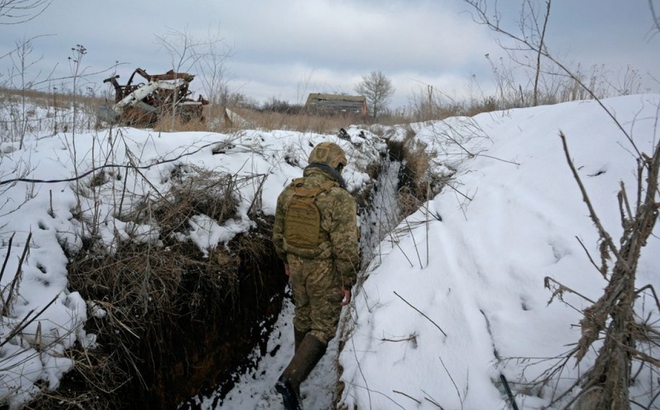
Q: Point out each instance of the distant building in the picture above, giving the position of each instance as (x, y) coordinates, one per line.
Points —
(336, 104)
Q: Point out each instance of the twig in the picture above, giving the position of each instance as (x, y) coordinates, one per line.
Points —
(655, 296)
(26, 321)
(17, 276)
(96, 169)
(377, 392)
(412, 235)
(460, 193)
(396, 242)
(366, 383)
(257, 194)
(458, 393)
(499, 159)
(588, 255)
(432, 400)
(641, 356)
(624, 198)
(562, 288)
(508, 392)
(421, 313)
(407, 395)
(4, 263)
(407, 339)
(592, 212)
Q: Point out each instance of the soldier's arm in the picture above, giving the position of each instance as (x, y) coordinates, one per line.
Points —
(344, 238)
(278, 228)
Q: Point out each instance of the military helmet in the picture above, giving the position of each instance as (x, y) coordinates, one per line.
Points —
(328, 153)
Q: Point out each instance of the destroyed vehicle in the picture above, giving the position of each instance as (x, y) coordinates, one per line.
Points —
(145, 103)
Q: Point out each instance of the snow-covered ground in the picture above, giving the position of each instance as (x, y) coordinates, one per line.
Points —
(454, 297)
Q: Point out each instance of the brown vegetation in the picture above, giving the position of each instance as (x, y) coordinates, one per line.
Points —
(414, 184)
(176, 321)
(612, 317)
(49, 99)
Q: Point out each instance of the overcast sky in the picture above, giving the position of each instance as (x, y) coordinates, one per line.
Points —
(288, 48)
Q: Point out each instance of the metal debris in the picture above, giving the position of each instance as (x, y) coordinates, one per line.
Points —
(143, 104)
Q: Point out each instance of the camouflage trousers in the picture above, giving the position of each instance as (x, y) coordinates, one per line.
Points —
(317, 296)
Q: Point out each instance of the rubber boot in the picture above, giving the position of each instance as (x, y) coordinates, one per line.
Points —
(307, 356)
(298, 337)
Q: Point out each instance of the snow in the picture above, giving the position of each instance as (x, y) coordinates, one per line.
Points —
(477, 267)
(453, 296)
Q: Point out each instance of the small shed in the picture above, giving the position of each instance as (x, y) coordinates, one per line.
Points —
(336, 104)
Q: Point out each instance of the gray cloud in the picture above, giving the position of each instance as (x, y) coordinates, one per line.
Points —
(286, 48)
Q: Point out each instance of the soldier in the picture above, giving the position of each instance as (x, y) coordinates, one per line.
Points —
(315, 234)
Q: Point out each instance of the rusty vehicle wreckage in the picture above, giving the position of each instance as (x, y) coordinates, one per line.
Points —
(144, 104)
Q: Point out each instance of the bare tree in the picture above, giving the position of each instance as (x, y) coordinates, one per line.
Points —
(21, 11)
(377, 89)
(527, 44)
(182, 48)
(20, 79)
(656, 18)
(541, 44)
(532, 24)
(206, 55)
(212, 67)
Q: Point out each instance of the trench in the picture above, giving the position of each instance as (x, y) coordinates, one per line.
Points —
(378, 214)
(200, 352)
(210, 351)
(157, 354)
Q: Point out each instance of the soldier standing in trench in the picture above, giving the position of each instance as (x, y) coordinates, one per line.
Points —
(315, 234)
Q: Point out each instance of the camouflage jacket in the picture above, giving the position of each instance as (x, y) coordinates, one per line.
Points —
(338, 219)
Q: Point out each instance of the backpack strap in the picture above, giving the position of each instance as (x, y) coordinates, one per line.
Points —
(312, 192)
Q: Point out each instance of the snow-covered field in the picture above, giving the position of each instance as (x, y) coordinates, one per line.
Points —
(454, 296)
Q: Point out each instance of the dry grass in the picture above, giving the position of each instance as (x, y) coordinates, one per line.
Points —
(214, 118)
(413, 185)
(48, 100)
(194, 191)
(407, 202)
(417, 165)
(59, 113)
(166, 304)
(169, 123)
(148, 294)
(302, 122)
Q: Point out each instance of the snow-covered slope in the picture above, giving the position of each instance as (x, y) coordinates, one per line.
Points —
(459, 299)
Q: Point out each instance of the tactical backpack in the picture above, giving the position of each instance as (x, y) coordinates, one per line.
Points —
(302, 224)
